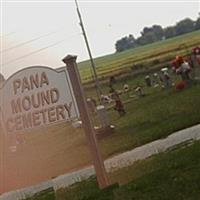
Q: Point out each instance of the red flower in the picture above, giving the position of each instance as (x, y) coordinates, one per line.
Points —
(196, 51)
(181, 85)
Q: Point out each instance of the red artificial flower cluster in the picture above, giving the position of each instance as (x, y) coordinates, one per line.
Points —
(177, 62)
(181, 85)
(196, 50)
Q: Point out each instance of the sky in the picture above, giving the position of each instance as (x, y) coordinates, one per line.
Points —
(42, 33)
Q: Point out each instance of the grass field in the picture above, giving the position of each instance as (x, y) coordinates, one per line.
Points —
(54, 151)
(49, 152)
(148, 56)
(153, 117)
(174, 175)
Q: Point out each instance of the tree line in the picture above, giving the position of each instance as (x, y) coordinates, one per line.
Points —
(156, 33)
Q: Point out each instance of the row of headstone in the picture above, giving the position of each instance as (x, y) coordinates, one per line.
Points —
(161, 78)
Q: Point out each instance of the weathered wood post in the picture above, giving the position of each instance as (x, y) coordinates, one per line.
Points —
(74, 75)
(2, 154)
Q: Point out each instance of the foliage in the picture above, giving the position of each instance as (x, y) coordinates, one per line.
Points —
(150, 35)
(197, 24)
(169, 32)
(125, 43)
(184, 26)
(156, 33)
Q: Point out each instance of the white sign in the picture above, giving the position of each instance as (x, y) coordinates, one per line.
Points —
(36, 96)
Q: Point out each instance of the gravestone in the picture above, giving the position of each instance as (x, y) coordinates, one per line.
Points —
(148, 80)
(102, 116)
(166, 78)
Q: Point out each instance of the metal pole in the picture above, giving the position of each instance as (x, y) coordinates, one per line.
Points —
(74, 75)
(89, 52)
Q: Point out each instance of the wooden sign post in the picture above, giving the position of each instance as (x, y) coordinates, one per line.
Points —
(72, 69)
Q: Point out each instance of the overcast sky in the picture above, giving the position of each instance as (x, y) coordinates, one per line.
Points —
(43, 32)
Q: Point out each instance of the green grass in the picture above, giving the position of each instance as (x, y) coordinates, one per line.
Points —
(173, 175)
(158, 114)
(85, 190)
(123, 62)
(155, 116)
(48, 194)
(152, 117)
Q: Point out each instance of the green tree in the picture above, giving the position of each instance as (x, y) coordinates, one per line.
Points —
(124, 43)
(169, 32)
(150, 34)
(197, 24)
(146, 30)
(185, 26)
(158, 31)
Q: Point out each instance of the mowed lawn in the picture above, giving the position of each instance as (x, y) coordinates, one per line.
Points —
(46, 153)
(173, 175)
(49, 152)
(153, 117)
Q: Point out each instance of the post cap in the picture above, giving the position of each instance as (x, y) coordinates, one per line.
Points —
(69, 58)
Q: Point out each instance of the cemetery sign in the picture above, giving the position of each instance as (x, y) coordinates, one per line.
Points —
(35, 97)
